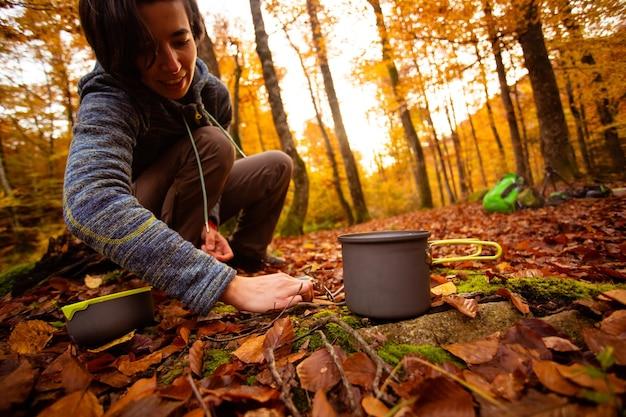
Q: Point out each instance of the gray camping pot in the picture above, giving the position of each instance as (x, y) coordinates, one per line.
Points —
(387, 274)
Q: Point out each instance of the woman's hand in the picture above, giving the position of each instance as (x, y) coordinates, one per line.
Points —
(266, 292)
(215, 244)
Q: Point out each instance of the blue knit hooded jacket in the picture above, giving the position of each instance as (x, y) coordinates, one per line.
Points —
(121, 128)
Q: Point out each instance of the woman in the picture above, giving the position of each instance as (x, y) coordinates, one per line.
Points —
(144, 130)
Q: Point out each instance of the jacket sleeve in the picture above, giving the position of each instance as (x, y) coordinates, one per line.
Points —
(99, 208)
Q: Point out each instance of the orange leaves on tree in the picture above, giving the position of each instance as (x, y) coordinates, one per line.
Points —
(280, 337)
(467, 306)
(321, 406)
(196, 356)
(476, 352)
(16, 385)
(78, 403)
(30, 337)
(318, 371)
(516, 299)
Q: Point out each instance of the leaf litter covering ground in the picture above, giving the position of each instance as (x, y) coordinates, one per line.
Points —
(265, 365)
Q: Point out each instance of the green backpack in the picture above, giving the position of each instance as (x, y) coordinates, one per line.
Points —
(503, 196)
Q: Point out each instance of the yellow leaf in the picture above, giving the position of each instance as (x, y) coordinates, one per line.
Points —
(251, 351)
(444, 289)
(93, 282)
(115, 342)
(79, 403)
(374, 407)
(30, 337)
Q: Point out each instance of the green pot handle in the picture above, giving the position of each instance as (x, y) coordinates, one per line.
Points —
(476, 256)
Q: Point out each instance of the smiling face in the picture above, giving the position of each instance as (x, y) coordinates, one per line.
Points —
(171, 73)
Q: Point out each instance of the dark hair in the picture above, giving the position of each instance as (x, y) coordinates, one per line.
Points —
(118, 35)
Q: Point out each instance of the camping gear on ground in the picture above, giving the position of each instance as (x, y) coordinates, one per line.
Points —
(94, 322)
(502, 198)
(386, 274)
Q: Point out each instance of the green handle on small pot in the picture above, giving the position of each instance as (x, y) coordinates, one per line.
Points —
(469, 241)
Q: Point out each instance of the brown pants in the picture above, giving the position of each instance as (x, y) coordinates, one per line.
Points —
(253, 188)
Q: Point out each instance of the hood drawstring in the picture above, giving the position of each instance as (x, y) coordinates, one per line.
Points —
(200, 173)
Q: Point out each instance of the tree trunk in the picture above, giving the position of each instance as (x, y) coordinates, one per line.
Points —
(556, 149)
(352, 173)
(206, 52)
(421, 176)
(294, 222)
(257, 121)
(234, 127)
(580, 131)
(456, 142)
(490, 117)
(521, 165)
(330, 153)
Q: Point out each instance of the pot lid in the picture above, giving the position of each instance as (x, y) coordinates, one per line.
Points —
(384, 236)
(70, 309)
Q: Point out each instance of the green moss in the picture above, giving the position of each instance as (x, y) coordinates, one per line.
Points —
(213, 359)
(300, 399)
(11, 275)
(536, 289)
(112, 276)
(221, 308)
(392, 353)
(334, 333)
(251, 380)
(170, 375)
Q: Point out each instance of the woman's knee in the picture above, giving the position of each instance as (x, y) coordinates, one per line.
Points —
(213, 144)
(282, 163)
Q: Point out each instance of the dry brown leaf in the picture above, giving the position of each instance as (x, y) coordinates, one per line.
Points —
(179, 389)
(93, 281)
(129, 368)
(548, 374)
(616, 295)
(251, 351)
(467, 306)
(198, 412)
(476, 352)
(318, 372)
(140, 389)
(578, 374)
(559, 344)
(280, 337)
(30, 337)
(360, 370)
(447, 288)
(169, 350)
(516, 299)
(321, 406)
(66, 372)
(78, 403)
(196, 357)
(128, 336)
(476, 380)
(597, 340)
(442, 397)
(508, 386)
(615, 324)
(16, 385)
(114, 379)
(260, 412)
(245, 392)
(184, 332)
(374, 407)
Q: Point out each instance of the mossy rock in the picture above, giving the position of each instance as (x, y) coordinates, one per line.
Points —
(213, 359)
(392, 353)
(13, 274)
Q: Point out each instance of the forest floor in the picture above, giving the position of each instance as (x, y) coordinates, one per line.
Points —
(315, 359)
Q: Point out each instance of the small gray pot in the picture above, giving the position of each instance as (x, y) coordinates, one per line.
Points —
(387, 274)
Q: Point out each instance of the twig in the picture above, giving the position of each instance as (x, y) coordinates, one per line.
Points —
(207, 412)
(285, 395)
(346, 384)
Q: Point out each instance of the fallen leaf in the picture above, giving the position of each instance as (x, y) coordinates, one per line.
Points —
(179, 389)
(169, 350)
(360, 370)
(259, 412)
(251, 351)
(589, 377)
(120, 340)
(516, 299)
(93, 282)
(79, 403)
(444, 289)
(140, 389)
(30, 337)
(198, 412)
(467, 306)
(129, 368)
(548, 374)
(321, 406)
(196, 356)
(16, 385)
(618, 295)
(374, 407)
(559, 344)
(442, 397)
(597, 340)
(476, 380)
(476, 352)
(245, 392)
(114, 379)
(65, 372)
(318, 372)
(184, 332)
(508, 386)
(438, 279)
(615, 324)
(279, 338)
